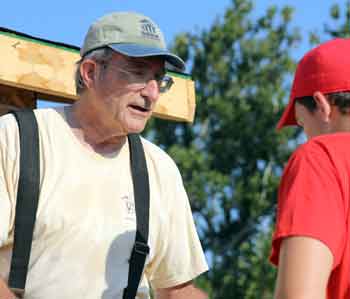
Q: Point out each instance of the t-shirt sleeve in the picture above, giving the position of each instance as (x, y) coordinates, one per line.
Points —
(182, 258)
(8, 175)
(310, 202)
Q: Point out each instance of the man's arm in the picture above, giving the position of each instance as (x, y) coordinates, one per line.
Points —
(183, 291)
(5, 292)
(303, 270)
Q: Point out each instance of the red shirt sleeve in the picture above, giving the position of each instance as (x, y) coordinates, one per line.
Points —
(310, 201)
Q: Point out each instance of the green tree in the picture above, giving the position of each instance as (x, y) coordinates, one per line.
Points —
(339, 25)
(340, 21)
(231, 157)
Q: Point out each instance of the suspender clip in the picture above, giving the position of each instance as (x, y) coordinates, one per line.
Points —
(141, 248)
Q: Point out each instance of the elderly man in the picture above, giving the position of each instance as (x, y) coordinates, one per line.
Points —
(85, 225)
(311, 243)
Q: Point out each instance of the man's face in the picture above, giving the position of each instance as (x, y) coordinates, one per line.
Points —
(128, 90)
(311, 122)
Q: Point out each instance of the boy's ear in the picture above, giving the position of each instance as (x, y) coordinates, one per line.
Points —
(324, 108)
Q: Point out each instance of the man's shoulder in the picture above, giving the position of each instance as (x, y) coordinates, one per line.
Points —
(157, 155)
(8, 126)
(45, 114)
(8, 120)
(46, 117)
(155, 151)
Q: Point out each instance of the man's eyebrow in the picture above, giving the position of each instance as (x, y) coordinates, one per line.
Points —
(138, 63)
(141, 61)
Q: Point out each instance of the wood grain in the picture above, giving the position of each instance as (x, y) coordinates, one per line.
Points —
(47, 72)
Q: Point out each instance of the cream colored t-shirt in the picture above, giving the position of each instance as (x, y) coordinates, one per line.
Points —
(85, 226)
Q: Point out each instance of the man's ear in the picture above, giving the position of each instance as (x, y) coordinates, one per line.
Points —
(88, 71)
(324, 109)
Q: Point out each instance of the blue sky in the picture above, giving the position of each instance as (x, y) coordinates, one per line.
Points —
(67, 21)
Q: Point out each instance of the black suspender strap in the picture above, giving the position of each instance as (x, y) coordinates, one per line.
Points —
(27, 199)
(141, 195)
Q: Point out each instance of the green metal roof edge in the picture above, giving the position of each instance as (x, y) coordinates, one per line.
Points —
(38, 41)
(179, 75)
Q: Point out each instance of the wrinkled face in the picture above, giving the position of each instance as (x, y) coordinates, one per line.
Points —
(311, 122)
(128, 88)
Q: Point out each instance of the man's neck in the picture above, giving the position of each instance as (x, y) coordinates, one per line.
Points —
(92, 129)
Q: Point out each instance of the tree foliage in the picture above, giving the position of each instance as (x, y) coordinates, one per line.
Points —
(337, 27)
(340, 21)
(231, 157)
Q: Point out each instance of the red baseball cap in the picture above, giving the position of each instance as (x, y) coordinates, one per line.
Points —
(325, 68)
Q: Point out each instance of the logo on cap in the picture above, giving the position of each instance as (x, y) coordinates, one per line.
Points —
(148, 29)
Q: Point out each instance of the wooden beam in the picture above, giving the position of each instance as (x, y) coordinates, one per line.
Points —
(48, 71)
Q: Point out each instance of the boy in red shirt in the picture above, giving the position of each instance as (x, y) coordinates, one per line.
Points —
(311, 242)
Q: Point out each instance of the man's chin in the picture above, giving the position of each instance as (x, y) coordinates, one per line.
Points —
(136, 128)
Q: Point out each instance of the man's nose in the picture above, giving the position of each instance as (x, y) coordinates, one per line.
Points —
(151, 90)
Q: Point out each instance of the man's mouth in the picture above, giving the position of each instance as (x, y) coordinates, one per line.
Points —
(139, 108)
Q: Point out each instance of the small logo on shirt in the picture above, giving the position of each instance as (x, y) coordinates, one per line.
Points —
(129, 205)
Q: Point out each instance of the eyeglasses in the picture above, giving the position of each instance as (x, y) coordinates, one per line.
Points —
(139, 77)
(164, 83)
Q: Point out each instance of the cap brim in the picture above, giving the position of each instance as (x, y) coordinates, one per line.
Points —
(288, 116)
(135, 50)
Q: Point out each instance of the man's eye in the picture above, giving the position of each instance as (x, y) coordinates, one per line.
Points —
(159, 77)
(138, 73)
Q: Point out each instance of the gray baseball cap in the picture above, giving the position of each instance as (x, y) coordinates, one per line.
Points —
(131, 34)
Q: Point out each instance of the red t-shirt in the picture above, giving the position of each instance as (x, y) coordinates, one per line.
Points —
(313, 201)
